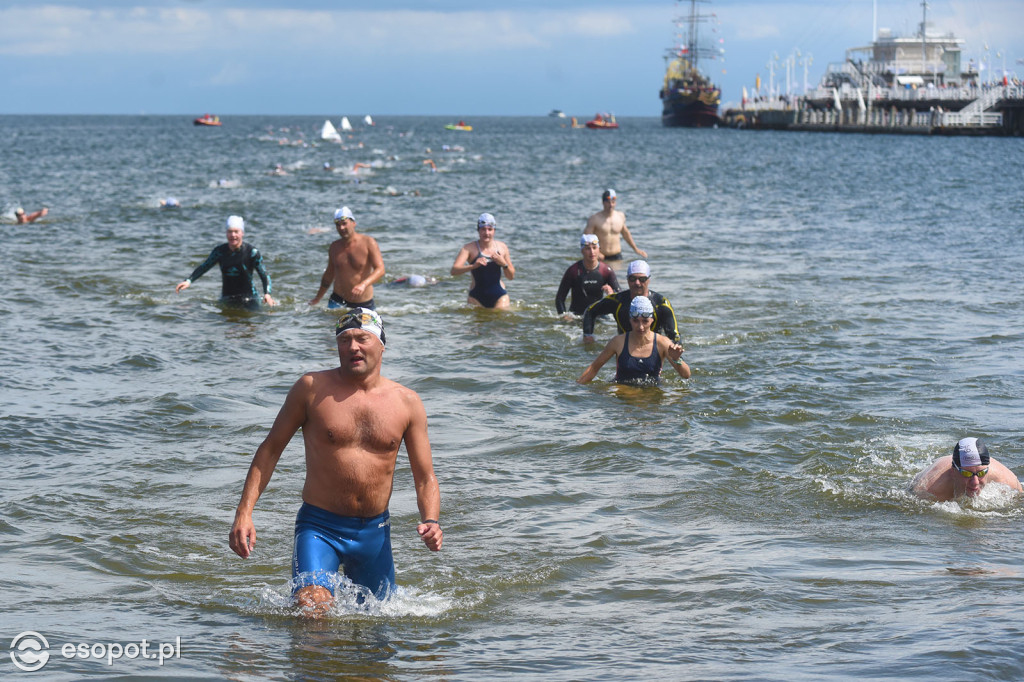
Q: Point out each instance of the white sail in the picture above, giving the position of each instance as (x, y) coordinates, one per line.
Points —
(368, 121)
(345, 125)
(329, 132)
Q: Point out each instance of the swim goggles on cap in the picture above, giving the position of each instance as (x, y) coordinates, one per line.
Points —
(968, 474)
(639, 315)
(362, 318)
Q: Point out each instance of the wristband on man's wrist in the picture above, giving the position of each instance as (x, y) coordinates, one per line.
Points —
(434, 521)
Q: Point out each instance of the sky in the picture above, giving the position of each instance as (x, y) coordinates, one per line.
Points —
(437, 57)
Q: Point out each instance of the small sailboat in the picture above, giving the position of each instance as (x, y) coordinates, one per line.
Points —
(367, 120)
(329, 132)
(345, 125)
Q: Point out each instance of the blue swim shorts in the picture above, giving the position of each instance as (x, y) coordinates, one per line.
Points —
(360, 546)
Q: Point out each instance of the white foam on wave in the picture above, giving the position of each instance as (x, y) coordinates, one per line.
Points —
(351, 599)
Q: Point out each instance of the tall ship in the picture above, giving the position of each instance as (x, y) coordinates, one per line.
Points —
(688, 98)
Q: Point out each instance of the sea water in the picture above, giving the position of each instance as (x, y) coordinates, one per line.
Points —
(850, 307)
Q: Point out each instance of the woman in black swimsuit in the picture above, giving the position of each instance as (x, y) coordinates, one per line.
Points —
(639, 352)
(486, 259)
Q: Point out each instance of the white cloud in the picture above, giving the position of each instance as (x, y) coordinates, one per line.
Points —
(61, 31)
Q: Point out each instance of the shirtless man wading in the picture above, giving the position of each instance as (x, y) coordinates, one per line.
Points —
(609, 224)
(353, 421)
(354, 263)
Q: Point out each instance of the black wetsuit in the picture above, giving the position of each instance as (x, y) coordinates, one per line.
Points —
(630, 369)
(585, 286)
(618, 305)
(236, 268)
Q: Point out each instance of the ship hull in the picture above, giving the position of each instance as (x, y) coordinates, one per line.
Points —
(679, 113)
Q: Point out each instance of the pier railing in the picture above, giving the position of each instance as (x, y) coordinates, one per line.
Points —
(901, 94)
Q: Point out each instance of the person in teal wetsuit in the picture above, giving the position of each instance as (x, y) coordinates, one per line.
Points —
(237, 260)
(487, 259)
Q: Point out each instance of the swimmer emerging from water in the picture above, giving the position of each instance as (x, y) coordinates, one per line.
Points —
(22, 217)
(353, 422)
(354, 264)
(238, 260)
(639, 352)
(486, 259)
(609, 224)
(965, 473)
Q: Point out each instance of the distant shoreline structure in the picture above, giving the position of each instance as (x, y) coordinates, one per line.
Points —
(915, 85)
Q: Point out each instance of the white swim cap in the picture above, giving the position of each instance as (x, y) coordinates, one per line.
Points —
(362, 318)
(235, 222)
(638, 267)
(641, 306)
(587, 239)
(343, 212)
(485, 220)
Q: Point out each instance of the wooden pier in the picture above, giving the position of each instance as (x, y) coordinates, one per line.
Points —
(992, 111)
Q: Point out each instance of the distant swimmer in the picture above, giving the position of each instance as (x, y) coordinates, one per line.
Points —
(356, 167)
(169, 202)
(327, 166)
(588, 279)
(486, 260)
(965, 473)
(638, 275)
(609, 224)
(237, 260)
(354, 264)
(279, 170)
(639, 352)
(414, 281)
(430, 162)
(353, 422)
(22, 217)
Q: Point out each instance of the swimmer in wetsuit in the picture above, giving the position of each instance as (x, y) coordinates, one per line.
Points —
(486, 259)
(588, 279)
(237, 260)
(640, 352)
(638, 275)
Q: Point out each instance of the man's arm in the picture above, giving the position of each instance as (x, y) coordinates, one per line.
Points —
(632, 244)
(377, 261)
(292, 416)
(261, 270)
(610, 279)
(428, 493)
(667, 321)
(326, 281)
(1005, 476)
(603, 307)
(932, 483)
(210, 261)
(563, 290)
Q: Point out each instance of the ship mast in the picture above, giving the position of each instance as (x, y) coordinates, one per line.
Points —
(692, 48)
